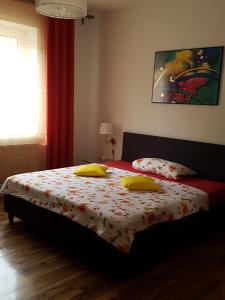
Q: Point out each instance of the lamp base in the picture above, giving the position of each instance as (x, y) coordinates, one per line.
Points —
(113, 142)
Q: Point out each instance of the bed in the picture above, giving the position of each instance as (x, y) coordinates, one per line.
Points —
(207, 159)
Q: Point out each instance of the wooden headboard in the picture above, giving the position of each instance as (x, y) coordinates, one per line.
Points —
(207, 159)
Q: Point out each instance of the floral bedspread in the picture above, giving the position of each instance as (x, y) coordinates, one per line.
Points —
(103, 205)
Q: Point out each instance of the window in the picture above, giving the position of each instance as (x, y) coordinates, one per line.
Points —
(22, 84)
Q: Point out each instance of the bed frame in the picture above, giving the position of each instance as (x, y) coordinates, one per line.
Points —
(207, 159)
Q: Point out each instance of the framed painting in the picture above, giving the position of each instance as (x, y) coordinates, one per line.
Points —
(187, 76)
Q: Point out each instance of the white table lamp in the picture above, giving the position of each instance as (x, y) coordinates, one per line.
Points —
(107, 129)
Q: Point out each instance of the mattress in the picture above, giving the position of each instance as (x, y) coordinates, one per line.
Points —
(214, 189)
(103, 204)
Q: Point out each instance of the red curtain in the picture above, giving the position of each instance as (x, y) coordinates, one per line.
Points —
(60, 92)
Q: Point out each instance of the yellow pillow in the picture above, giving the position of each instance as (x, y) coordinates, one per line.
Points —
(92, 170)
(140, 183)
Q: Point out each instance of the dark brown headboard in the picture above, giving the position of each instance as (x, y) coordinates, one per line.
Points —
(207, 159)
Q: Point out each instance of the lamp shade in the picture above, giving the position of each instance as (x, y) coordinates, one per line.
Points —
(106, 128)
(62, 9)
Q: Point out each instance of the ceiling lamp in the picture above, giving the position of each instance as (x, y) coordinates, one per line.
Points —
(62, 9)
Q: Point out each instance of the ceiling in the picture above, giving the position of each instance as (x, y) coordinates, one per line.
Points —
(107, 5)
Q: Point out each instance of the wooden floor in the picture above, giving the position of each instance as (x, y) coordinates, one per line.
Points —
(32, 267)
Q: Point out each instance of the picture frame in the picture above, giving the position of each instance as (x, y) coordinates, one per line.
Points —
(188, 76)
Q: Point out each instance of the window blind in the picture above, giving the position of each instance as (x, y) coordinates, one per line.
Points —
(22, 74)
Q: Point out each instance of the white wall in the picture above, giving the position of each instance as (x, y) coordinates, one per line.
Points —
(86, 89)
(129, 39)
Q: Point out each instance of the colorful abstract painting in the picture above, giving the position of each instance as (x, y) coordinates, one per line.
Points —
(189, 76)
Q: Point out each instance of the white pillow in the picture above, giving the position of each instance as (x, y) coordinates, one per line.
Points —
(162, 167)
